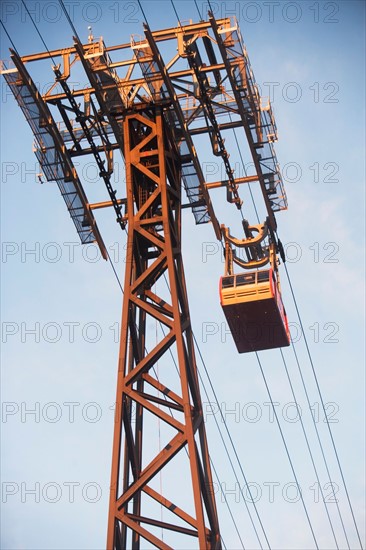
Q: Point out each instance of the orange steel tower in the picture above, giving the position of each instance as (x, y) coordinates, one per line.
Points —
(150, 110)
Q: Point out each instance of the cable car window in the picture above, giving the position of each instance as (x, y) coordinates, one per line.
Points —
(227, 282)
(263, 276)
(245, 279)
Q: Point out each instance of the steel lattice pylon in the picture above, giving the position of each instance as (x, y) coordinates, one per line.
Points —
(150, 110)
(153, 250)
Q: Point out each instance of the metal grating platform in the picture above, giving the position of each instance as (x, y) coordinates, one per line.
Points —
(52, 155)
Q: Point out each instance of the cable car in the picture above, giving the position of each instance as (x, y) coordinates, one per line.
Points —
(253, 308)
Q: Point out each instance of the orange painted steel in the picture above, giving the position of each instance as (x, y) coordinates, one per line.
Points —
(253, 308)
(154, 252)
(149, 110)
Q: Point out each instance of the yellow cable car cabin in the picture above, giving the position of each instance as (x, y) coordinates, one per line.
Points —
(253, 307)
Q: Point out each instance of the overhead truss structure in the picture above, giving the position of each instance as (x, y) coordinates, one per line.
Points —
(150, 109)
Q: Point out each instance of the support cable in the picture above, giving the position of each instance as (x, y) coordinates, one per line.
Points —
(305, 389)
(199, 13)
(299, 367)
(287, 451)
(319, 440)
(294, 299)
(115, 273)
(175, 11)
(232, 442)
(323, 407)
(222, 439)
(233, 467)
(211, 461)
(176, 367)
(172, 415)
(142, 11)
(38, 31)
(309, 448)
(209, 3)
(230, 512)
(69, 20)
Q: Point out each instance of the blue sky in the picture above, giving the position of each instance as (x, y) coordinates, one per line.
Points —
(309, 57)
